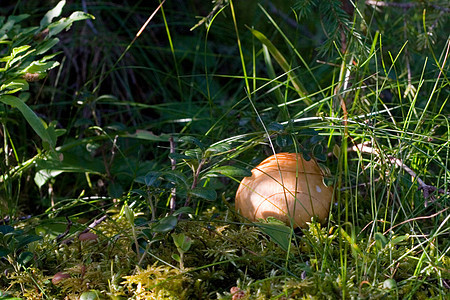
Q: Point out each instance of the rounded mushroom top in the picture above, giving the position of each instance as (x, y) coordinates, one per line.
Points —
(287, 162)
(287, 187)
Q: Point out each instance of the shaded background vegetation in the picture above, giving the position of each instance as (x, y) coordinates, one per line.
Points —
(151, 83)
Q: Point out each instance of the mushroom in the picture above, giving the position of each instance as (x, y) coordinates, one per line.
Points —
(287, 187)
(58, 277)
(88, 236)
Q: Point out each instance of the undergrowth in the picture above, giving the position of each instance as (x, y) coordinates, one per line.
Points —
(124, 142)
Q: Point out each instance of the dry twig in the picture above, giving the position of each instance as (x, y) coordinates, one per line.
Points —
(427, 190)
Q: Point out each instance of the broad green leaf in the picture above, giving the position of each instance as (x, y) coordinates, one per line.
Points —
(193, 140)
(152, 178)
(165, 224)
(183, 210)
(275, 126)
(115, 190)
(194, 153)
(129, 214)
(76, 160)
(380, 240)
(4, 229)
(65, 23)
(42, 176)
(4, 251)
(218, 149)
(204, 193)
(182, 242)
(46, 45)
(53, 13)
(178, 156)
(148, 136)
(25, 257)
(12, 20)
(39, 67)
(20, 49)
(35, 122)
(176, 176)
(176, 257)
(231, 171)
(398, 239)
(15, 86)
(278, 232)
(25, 239)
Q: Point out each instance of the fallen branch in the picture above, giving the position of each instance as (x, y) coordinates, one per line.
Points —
(427, 190)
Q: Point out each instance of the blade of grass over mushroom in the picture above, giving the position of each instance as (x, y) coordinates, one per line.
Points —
(272, 74)
(292, 47)
(281, 60)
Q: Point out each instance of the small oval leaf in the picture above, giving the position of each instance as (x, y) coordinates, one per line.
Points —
(231, 171)
(165, 224)
(204, 193)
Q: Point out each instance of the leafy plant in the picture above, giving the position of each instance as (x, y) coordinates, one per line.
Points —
(24, 59)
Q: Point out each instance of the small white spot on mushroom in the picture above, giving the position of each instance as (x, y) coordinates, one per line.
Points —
(318, 189)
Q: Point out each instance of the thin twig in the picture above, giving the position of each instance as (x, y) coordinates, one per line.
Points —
(425, 188)
(173, 162)
(95, 223)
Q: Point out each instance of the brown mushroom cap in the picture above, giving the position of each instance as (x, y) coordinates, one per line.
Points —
(88, 236)
(285, 186)
(58, 277)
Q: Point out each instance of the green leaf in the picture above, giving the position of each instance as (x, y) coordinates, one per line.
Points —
(46, 45)
(231, 171)
(275, 126)
(278, 232)
(115, 190)
(148, 136)
(4, 229)
(204, 193)
(53, 13)
(165, 224)
(25, 257)
(129, 214)
(42, 176)
(65, 23)
(14, 86)
(183, 210)
(192, 140)
(182, 242)
(176, 177)
(178, 156)
(398, 239)
(194, 153)
(18, 50)
(4, 251)
(40, 67)
(380, 240)
(24, 240)
(35, 122)
(12, 20)
(219, 148)
(176, 257)
(152, 178)
(74, 160)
